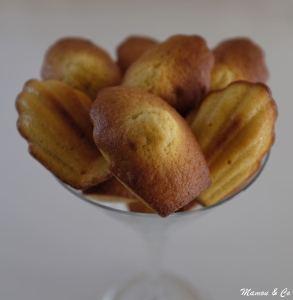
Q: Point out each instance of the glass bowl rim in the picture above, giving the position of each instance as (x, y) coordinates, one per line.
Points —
(176, 214)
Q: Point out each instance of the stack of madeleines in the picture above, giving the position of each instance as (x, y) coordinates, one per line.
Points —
(171, 125)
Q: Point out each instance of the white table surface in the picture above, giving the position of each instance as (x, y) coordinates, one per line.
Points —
(53, 246)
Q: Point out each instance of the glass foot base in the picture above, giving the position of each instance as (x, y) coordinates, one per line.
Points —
(165, 287)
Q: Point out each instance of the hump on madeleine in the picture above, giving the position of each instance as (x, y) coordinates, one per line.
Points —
(132, 48)
(81, 64)
(149, 147)
(238, 59)
(178, 70)
(54, 119)
(235, 129)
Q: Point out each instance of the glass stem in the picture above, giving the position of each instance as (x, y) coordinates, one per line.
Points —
(155, 240)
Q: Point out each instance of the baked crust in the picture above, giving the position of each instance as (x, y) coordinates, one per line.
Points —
(178, 70)
(54, 119)
(238, 59)
(235, 128)
(149, 147)
(81, 64)
(132, 48)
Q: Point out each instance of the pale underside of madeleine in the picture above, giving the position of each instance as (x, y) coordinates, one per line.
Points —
(54, 119)
(178, 70)
(81, 64)
(235, 128)
(132, 48)
(238, 59)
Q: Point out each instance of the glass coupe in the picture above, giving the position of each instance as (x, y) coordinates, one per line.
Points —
(154, 284)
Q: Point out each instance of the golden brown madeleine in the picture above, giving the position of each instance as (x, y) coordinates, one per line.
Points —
(238, 59)
(235, 129)
(81, 64)
(150, 148)
(54, 119)
(132, 48)
(178, 70)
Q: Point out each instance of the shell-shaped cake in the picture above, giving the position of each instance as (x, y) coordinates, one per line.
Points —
(235, 129)
(81, 64)
(178, 70)
(132, 48)
(149, 147)
(238, 59)
(54, 119)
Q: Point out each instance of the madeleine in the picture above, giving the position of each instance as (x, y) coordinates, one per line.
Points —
(132, 48)
(54, 119)
(238, 59)
(80, 64)
(149, 148)
(178, 70)
(235, 128)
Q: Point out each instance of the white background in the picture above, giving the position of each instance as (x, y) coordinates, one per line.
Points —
(53, 246)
